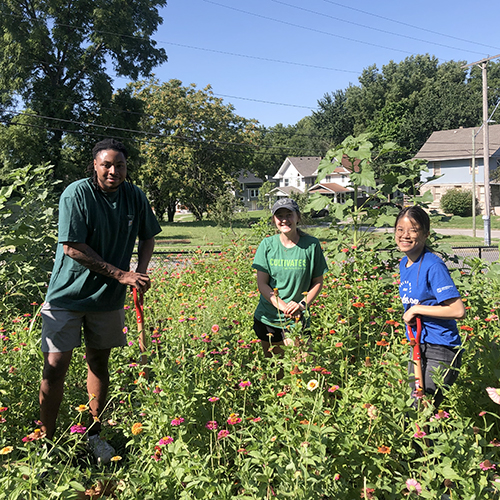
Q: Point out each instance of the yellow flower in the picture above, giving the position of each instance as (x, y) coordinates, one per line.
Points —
(117, 458)
(6, 450)
(82, 408)
(136, 428)
(312, 384)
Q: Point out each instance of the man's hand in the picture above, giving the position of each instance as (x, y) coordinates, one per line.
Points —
(140, 281)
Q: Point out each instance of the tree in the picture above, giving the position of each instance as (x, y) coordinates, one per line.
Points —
(55, 54)
(333, 120)
(196, 144)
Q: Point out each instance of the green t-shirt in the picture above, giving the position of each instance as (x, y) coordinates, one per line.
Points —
(290, 270)
(109, 223)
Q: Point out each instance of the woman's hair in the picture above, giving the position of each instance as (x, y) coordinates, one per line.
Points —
(104, 145)
(418, 215)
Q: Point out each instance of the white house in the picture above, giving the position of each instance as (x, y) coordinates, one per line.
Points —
(297, 174)
(449, 154)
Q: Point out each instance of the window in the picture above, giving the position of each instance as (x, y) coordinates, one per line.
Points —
(286, 182)
(254, 193)
(298, 182)
(328, 178)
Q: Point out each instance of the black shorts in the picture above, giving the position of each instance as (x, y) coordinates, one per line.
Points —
(267, 333)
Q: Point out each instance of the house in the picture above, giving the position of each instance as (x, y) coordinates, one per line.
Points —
(248, 191)
(298, 174)
(449, 154)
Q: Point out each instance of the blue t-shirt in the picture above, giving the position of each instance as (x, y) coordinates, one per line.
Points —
(290, 270)
(427, 281)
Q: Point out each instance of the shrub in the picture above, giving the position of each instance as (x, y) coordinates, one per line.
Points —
(458, 202)
(28, 225)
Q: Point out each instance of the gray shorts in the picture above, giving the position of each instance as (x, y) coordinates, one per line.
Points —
(62, 329)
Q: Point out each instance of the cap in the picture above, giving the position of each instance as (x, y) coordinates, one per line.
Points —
(285, 203)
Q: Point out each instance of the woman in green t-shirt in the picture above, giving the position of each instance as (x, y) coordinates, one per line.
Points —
(290, 267)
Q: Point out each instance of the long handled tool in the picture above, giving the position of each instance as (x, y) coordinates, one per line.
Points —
(139, 311)
(415, 343)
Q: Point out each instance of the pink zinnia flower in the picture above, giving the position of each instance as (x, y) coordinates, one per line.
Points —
(420, 433)
(215, 328)
(177, 421)
(223, 434)
(281, 394)
(234, 419)
(413, 486)
(156, 390)
(494, 394)
(166, 440)
(256, 419)
(213, 399)
(333, 388)
(78, 429)
(486, 465)
(245, 383)
(441, 414)
(212, 425)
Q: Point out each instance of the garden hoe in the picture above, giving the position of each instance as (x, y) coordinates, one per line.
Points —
(139, 311)
(415, 343)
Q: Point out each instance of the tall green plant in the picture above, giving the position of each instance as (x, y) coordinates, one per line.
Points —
(28, 234)
(370, 204)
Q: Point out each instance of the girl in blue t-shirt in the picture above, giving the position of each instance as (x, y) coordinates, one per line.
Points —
(427, 291)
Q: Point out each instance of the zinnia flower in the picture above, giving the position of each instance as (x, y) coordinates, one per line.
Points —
(136, 428)
(441, 414)
(245, 383)
(333, 388)
(6, 450)
(177, 421)
(312, 384)
(384, 449)
(486, 465)
(82, 408)
(166, 440)
(211, 425)
(223, 434)
(372, 412)
(281, 394)
(494, 394)
(78, 429)
(215, 328)
(213, 399)
(413, 486)
(234, 419)
(420, 433)
(116, 458)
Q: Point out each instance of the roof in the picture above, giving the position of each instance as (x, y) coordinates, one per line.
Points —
(329, 187)
(306, 166)
(287, 190)
(457, 144)
(248, 177)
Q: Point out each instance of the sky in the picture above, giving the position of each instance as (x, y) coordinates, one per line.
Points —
(274, 59)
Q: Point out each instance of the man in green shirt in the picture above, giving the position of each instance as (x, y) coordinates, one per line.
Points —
(99, 221)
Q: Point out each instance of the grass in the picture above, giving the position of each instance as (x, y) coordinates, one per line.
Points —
(186, 234)
(456, 222)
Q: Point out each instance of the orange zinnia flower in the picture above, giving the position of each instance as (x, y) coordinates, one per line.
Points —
(384, 449)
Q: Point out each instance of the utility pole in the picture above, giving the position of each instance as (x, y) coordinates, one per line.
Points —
(474, 183)
(486, 147)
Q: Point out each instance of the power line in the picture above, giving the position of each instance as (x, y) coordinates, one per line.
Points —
(175, 141)
(373, 28)
(409, 25)
(306, 28)
(259, 58)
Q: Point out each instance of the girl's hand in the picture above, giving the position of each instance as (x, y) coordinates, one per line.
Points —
(410, 315)
(292, 309)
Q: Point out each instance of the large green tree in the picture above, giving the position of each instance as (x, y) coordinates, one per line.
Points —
(196, 145)
(55, 56)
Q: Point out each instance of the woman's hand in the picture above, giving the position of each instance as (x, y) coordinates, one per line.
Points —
(409, 317)
(292, 309)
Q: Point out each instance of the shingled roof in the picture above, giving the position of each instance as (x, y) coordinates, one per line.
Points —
(457, 144)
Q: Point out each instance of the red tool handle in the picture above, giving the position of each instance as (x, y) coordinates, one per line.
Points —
(139, 311)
